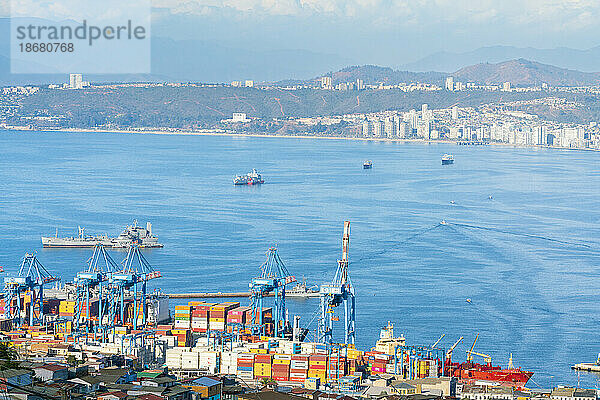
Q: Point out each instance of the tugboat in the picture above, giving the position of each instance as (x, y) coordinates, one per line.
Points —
(252, 178)
(368, 164)
(447, 159)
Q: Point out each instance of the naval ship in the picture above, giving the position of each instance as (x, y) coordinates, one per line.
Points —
(133, 234)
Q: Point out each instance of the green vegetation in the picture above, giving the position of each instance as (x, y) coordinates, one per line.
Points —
(190, 107)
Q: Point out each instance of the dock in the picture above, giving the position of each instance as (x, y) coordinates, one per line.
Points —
(589, 367)
(223, 295)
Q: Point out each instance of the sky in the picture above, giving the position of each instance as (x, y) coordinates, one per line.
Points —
(386, 32)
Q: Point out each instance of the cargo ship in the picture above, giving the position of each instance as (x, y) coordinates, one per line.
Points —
(447, 159)
(471, 372)
(132, 235)
(252, 178)
(368, 164)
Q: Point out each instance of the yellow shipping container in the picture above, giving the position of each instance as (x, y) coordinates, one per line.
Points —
(282, 362)
(317, 373)
(179, 331)
(314, 362)
(216, 319)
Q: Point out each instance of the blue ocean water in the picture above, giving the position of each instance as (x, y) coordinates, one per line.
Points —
(532, 274)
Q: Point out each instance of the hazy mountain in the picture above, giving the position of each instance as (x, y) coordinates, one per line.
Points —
(518, 72)
(582, 60)
(525, 72)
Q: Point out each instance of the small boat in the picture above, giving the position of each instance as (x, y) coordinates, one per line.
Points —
(252, 178)
(368, 164)
(447, 159)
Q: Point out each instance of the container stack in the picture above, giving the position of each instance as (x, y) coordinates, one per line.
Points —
(228, 363)
(66, 309)
(379, 363)
(245, 365)
(184, 337)
(182, 317)
(337, 367)
(209, 360)
(200, 314)
(299, 368)
(218, 315)
(281, 367)
(237, 316)
(189, 360)
(317, 367)
(262, 366)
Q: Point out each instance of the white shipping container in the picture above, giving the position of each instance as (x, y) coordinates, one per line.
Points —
(189, 360)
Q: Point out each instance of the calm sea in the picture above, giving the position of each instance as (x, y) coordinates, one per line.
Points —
(528, 257)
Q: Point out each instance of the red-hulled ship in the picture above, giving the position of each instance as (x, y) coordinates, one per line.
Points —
(470, 372)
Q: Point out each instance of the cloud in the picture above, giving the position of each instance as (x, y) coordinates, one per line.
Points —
(559, 13)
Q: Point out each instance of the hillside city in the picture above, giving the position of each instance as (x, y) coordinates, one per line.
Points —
(503, 122)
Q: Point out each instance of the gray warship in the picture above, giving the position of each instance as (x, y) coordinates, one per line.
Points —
(131, 235)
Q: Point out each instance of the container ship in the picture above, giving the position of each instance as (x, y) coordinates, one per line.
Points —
(131, 235)
(471, 372)
(368, 164)
(252, 178)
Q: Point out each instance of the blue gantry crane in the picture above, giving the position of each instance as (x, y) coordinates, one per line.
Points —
(95, 277)
(339, 292)
(273, 279)
(30, 280)
(135, 270)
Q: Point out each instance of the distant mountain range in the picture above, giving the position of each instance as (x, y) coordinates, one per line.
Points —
(518, 72)
(563, 57)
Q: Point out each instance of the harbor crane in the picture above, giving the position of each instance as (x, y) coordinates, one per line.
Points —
(486, 358)
(339, 292)
(135, 270)
(100, 266)
(451, 349)
(30, 281)
(470, 352)
(274, 276)
(438, 341)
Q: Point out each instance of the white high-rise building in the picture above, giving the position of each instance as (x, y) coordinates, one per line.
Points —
(378, 129)
(455, 113)
(360, 84)
(366, 129)
(390, 127)
(75, 81)
(326, 82)
(249, 83)
(424, 109)
(450, 83)
(506, 86)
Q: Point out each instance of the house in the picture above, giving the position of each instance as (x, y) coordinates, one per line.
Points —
(479, 392)
(16, 377)
(268, 395)
(51, 372)
(114, 395)
(562, 393)
(205, 388)
(307, 393)
(87, 384)
(116, 376)
(161, 381)
(584, 394)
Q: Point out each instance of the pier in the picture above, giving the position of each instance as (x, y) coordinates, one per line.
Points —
(222, 295)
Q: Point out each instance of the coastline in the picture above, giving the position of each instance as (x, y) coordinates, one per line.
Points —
(237, 134)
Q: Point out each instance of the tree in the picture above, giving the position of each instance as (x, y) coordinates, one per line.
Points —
(8, 356)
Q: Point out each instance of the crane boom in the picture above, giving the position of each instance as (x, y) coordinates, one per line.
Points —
(436, 343)
(469, 356)
(451, 349)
